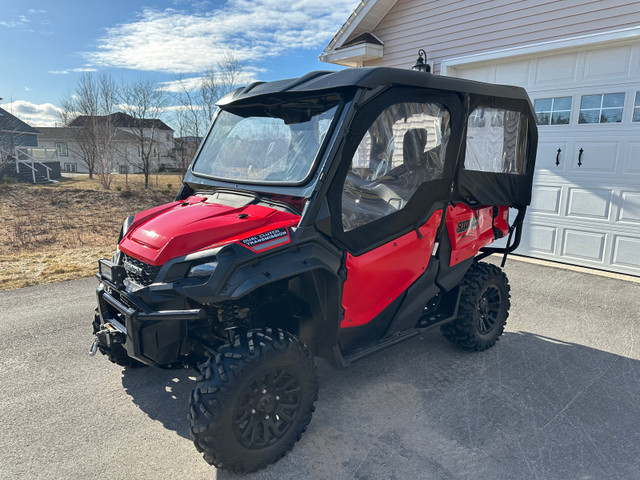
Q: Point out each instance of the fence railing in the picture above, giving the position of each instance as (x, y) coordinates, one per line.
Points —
(29, 156)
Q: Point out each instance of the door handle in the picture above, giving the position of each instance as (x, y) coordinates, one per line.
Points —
(558, 157)
(580, 157)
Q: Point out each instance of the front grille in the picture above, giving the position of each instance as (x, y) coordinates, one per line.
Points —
(139, 272)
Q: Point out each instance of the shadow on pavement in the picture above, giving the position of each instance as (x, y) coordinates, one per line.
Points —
(531, 407)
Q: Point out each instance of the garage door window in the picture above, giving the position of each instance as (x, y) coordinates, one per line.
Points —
(553, 111)
(602, 108)
(636, 108)
(496, 141)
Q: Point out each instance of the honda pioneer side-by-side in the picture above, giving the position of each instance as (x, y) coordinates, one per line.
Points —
(331, 215)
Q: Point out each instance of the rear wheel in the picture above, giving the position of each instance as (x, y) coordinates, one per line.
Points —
(254, 400)
(483, 311)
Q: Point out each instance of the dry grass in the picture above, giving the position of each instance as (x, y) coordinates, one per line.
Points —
(58, 232)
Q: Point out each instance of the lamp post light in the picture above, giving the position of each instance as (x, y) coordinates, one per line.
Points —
(421, 64)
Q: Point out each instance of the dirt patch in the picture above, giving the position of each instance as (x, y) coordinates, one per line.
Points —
(58, 232)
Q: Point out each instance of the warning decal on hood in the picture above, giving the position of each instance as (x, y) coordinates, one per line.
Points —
(267, 239)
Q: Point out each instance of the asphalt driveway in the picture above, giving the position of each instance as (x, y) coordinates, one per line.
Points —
(557, 398)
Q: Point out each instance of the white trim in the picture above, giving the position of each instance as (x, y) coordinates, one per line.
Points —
(630, 33)
(354, 55)
(352, 23)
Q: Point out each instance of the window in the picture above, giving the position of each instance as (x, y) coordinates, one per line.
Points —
(636, 108)
(496, 141)
(404, 147)
(602, 108)
(123, 169)
(139, 152)
(553, 111)
(62, 150)
(69, 167)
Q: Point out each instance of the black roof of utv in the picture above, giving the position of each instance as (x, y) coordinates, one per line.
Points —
(365, 77)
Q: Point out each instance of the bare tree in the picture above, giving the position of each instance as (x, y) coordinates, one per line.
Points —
(144, 102)
(88, 111)
(217, 82)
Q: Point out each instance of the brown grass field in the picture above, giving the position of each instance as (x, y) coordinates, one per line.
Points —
(51, 233)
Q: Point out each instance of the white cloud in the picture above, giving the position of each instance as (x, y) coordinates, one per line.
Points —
(34, 114)
(173, 41)
(70, 70)
(27, 88)
(21, 21)
(192, 83)
(33, 11)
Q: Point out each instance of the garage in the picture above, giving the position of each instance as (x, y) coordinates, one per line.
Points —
(586, 199)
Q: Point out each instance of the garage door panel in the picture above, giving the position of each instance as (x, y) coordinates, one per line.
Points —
(597, 157)
(554, 70)
(629, 207)
(516, 73)
(538, 239)
(546, 199)
(626, 251)
(632, 165)
(592, 203)
(616, 59)
(584, 245)
(548, 155)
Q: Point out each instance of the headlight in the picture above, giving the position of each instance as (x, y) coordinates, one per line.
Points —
(203, 270)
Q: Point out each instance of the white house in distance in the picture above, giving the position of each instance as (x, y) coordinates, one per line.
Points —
(127, 151)
(580, 63)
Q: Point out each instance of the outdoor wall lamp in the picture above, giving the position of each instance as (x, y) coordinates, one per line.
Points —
(421, 63)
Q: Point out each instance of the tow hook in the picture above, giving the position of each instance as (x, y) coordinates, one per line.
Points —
(93, 348)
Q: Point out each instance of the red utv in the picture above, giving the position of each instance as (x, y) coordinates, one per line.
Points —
(331, 215)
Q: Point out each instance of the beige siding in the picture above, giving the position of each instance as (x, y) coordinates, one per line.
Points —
(452, 28)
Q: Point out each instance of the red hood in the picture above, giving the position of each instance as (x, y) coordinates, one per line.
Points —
(180, 228)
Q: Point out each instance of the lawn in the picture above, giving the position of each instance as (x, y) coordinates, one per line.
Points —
(59, 231)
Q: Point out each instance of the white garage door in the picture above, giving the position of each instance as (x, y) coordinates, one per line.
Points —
(586, 198)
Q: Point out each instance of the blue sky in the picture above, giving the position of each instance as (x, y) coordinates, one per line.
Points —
(45, 45)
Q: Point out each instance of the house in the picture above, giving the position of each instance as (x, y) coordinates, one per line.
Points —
(580, 63)
(127, 147)
(184, 151)
(15, 133)
(20, 156)
(66, 141)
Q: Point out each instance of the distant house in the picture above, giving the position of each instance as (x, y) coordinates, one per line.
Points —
(580, 64)
(15, 133)
(65, 141)
(184, 150)
(127, 149)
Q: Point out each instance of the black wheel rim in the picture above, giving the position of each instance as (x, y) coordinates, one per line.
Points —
(267, 408)
(488, 309)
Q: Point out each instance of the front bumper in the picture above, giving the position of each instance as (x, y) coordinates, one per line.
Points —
(153, 337)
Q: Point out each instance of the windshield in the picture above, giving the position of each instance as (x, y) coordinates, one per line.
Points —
(269, 144)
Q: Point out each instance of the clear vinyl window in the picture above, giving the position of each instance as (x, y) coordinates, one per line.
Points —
(404, 147)
(496, 141)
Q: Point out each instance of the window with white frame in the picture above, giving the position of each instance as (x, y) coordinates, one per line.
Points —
(553, 111)
(61, 148)
(602, 108)
(70, 167)
(636, 108)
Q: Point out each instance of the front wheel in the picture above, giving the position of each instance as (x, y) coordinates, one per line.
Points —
(254, 400)
(483, 311)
